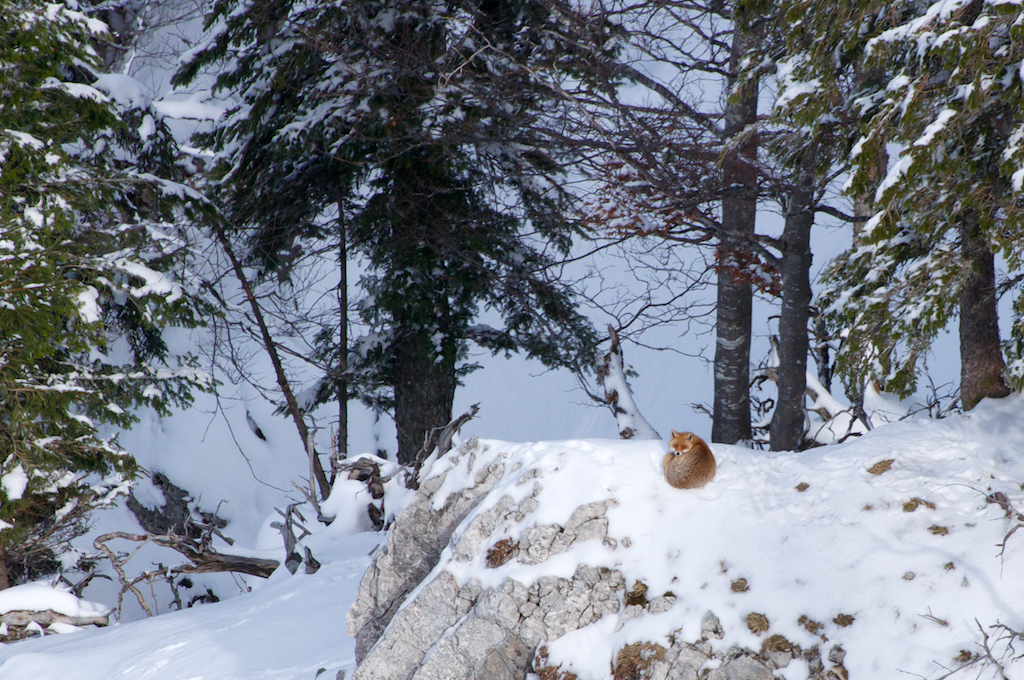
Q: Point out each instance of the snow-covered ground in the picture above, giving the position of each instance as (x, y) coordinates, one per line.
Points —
(884, 545)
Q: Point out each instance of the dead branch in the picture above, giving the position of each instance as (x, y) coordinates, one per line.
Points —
(45, 618)
(293, 559)
(1000, 499)
(118, 564)
(275, 358)
(203, 558)
(988, 656)
(441, 439)
(618, 397)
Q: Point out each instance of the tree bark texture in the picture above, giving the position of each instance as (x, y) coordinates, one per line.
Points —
(424, 391)
(981, 355)
(788, 427)
(731, 419)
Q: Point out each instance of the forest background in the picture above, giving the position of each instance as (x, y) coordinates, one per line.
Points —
(496, 178)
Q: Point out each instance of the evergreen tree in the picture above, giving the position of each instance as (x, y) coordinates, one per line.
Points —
(939, 82)
(86, 241)
(426, 122)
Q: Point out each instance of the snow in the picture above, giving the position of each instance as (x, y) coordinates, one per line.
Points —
(912, 554)
(154, 282)
(123, 89)
(14, 483)
(290, 628)
(935, 127)
(41, 596)
(88, 305)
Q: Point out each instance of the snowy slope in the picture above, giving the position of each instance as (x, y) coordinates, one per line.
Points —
(917, 580)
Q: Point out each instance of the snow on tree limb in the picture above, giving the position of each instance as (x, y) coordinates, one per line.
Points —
(619, 397)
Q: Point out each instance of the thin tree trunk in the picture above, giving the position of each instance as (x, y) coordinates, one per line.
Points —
(341, 445)
(864, 210)
(787, 428)
(981, 355)
(731, 419)
(5, 579)
(275, 359)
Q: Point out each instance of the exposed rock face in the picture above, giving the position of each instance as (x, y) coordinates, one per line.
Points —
(414, 545)
(415, 620)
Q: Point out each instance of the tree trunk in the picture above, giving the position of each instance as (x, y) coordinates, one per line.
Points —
(981, 356)
(275, 360)
(341, 441)
(424, 391)
(787, 428)
(731, 420)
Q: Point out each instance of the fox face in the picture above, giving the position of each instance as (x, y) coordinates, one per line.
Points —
(684, 441)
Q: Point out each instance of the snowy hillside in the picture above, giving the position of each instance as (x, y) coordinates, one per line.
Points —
(885, 546)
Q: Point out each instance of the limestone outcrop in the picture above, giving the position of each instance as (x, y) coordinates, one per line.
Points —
(467, 586)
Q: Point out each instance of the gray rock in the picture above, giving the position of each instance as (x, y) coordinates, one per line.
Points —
(408, 628)
(479, 530)
(742, 668)
(414, 631)
(510, 660)
(535, 545)
(661, 604)
(711, 627)
(415, 542)
(684, 661)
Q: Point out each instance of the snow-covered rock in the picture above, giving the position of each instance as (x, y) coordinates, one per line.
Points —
(867, 558)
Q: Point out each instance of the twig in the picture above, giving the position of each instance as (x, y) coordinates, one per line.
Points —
(932, 617)
(443, 443)
(100, 544)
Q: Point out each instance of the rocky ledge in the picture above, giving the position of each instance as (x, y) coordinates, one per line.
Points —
(471, 585)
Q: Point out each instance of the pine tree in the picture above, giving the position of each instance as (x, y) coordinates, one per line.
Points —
(940, 83)
(86, 241)
(421, 119)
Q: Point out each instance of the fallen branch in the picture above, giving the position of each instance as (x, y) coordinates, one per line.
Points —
(45, 618)
(292, 558)
(204, 560)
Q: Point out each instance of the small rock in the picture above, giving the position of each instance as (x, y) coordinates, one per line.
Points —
(742, 668)
(661, 604)
(711, 627)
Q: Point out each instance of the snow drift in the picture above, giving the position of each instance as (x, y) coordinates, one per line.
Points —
(892, 553)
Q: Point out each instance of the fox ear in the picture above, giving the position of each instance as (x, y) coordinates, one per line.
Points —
(689, 435)
(674, 434)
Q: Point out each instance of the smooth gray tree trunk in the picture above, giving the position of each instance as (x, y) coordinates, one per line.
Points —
(731, 418)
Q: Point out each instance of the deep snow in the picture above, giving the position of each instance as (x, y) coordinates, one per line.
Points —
(917, 580)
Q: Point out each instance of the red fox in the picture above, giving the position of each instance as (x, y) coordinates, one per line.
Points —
(689, 465)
